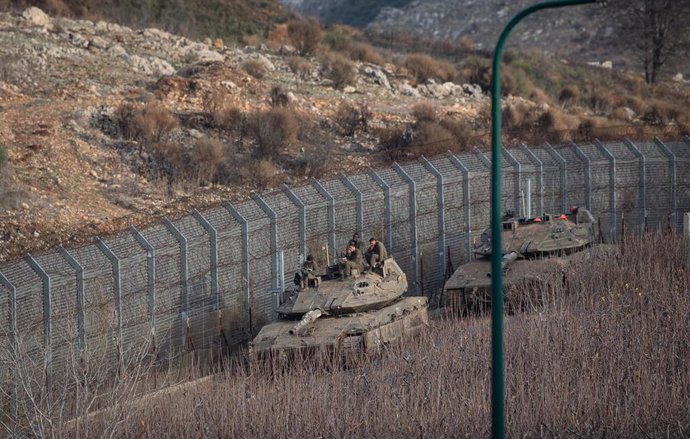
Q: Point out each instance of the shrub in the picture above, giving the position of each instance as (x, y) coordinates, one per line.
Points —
(263, 172)
(221, 112)
(569, 94)
(207, 156)
(278, 97)
(423, 67)
(153, 122)
(394, 138)
(340, 70)
(255, 68)
(273, 130)
(432, 138)
(172, 159)
(304, 35)
(365, 53)
(463, 133)
(299, 66)
(337, 40)
(662, 112)
(424, 112)
(350, 118)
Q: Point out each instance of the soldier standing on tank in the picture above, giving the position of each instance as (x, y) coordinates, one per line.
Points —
(376, 253)
(353, 260)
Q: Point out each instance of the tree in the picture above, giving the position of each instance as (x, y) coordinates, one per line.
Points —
(657, 29)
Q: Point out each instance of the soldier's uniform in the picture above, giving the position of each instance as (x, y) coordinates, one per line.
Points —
(354, 261)
(377, 254)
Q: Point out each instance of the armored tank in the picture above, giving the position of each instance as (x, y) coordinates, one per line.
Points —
(535, 252)
(358, 314)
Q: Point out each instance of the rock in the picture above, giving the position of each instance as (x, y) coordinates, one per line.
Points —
(268, 65)
(117, 51)
(157, 34)
(378, 76)
(291, 97)
(199, 52)
(287, 50)
(349, 89)
(218, 44)
(629, 113)
(208, 42)
(607, 65)
(196, 133)
(110, 28)
(98, 43)
(678, 77)
(228, 84)
(24, 205)
(408, 90)
(439, 90)
(474, 90)
(138, 63)
(160, 67)
(78, 40)
(38, 17)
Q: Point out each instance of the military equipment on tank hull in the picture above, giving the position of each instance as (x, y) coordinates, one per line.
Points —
(358, 314)
(535, 253)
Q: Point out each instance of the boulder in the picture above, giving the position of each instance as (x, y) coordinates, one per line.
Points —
(98, 43)
(36, 16)
(349, 89)
(267, 65)
(474, 90)
(199, 52)
(408, 90)
(378, 75)
(160, 67)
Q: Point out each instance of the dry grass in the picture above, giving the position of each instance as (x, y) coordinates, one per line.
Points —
(299, 66)
(423, 67)
(255, 68)
(304, 34)
(605, 354)
(340, 70)
(274, 130)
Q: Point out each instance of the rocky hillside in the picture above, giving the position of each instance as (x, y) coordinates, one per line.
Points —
(104, 126)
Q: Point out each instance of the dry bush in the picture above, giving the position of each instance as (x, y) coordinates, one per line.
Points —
(221, 111)
(262, 172)
(207, 156)
(463, 133)
(621, 114)
(337, 41)
(274, 130)
(423, 67)
(154, 121)
(424, 112)
(569, 94)
(173, 160)
(601, 100)
(299, 66)
(432, 138)
(255, 68)
(350, 118)
(394, 138)
(365, 53)
(340, 70)
(662, 112)
(304, 34)
(465, 43)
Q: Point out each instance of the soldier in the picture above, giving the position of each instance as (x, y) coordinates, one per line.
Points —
(356, 241)
(352, 260)
(376, 253)
(580, 215)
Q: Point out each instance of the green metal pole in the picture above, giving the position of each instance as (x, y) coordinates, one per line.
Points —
(497, 366)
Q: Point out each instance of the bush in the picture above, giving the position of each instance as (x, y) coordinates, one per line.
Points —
(255, 68)
(424, 112)
(350, 118)
(299, 66)
(340, 70)
(423, 67)
(221, 112)
(304, 35)
(569, 94)
(394, 138)
(365, 53)
(432, 138)
(337, 40)
(275, 129)
(147, 125)
(207, 156)
(463, 133)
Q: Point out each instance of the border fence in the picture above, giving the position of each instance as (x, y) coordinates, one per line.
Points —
(209, 278)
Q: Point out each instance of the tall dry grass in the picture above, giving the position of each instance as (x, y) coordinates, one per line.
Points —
(605, 354)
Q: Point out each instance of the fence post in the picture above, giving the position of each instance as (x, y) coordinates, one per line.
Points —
(360, 203)
(117, 291)
(302, 219)
(273, 216)
(213, 249)
(331, 214)
(244, 237)
(441, 202)
(47, 315)
(412, 193)
(539, 166)
(12, 302)
(388, 207)
(184, 271)
(563, 164)
(588, 174)
(517, 176)
(643, 180)
(150, 277)
(79, 271)
(672, 170)
(467, 205)
(612, 187)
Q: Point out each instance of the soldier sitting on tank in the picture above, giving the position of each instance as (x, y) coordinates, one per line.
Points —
(376, 253)
(308, 272)
(352, 261)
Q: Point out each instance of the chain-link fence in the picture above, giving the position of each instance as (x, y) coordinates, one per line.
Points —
(208, 279)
